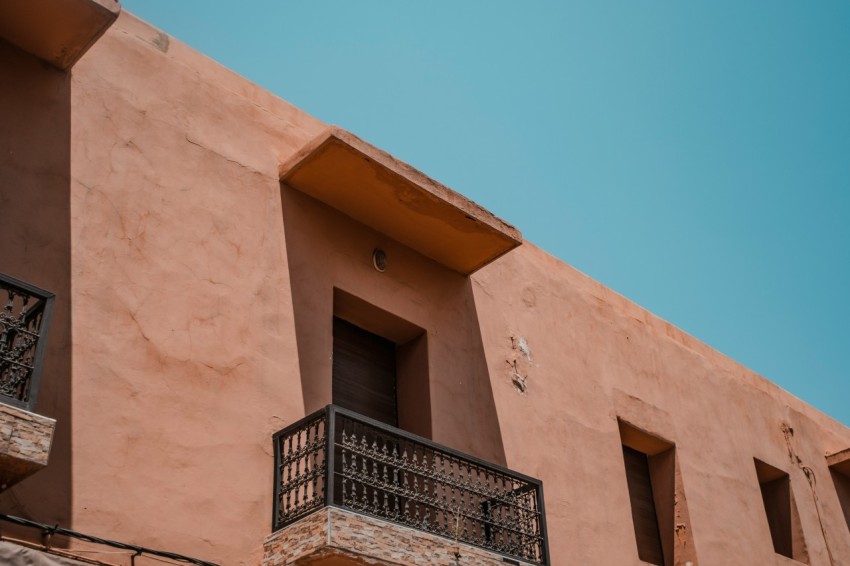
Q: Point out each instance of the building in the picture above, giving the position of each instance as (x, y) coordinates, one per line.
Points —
(222, 266)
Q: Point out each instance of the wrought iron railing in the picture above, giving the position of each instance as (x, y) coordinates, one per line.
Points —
(336, 457)
(24, 320)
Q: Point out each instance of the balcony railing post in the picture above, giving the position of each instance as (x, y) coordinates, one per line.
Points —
(277, 479)
(541, 510)
(330, 450)
(40, 349)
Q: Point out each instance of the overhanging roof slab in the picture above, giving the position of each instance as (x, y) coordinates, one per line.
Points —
(57, 31)
(840, 462)
(374, 188)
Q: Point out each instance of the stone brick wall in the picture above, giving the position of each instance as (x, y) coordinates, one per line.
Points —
(24, 443)
(297, 540)
(337, 536)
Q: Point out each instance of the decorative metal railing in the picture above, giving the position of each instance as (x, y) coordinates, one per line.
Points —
(24, 321)
(336, 457)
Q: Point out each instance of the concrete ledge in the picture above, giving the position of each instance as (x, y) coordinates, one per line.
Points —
(336, 537)
(840, 462)
(57, 31)
(386, 194)
(25, 440)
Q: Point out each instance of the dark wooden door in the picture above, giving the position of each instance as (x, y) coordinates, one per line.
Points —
(364, 372)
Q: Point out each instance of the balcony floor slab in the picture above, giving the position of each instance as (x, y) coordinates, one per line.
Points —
(337, 537)
(25, 440)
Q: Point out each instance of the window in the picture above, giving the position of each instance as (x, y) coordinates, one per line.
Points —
(657, 498)
(644, 513)
(839, 467)
(781, 512)
(380, 365)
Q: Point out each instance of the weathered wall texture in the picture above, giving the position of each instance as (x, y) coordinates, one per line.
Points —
(184, 363)
(596, 357)
(202, 296)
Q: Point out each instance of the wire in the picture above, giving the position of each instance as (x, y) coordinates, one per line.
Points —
(65, 553)
(788, 433)
(50, 530)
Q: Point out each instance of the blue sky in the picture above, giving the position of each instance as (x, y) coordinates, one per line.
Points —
(693, 156)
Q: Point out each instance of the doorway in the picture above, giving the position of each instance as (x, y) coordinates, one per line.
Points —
(364, 372)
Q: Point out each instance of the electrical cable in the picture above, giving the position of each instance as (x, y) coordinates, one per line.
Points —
(50, 530)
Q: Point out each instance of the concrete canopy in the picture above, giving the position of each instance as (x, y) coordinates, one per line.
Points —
(840, 461)
(374, 188)
(57, 31)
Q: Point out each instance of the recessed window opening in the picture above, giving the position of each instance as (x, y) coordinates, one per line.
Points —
(642, 499)
(781, 512)
(841, 479)
(650, 465)
(380, 365)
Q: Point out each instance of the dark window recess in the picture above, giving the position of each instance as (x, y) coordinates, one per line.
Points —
(781, 512)
(842, 488)
(776, 495)
(364, 372)
(644, 516)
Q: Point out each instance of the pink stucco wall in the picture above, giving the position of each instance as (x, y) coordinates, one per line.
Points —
(198, 295)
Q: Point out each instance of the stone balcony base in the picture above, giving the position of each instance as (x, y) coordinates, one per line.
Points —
(336, 537)
(24, 443)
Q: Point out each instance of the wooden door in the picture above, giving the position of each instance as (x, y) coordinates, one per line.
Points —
(364, 372)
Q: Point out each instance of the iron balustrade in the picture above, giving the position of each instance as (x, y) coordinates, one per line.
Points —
(336, 457)
(24, 322)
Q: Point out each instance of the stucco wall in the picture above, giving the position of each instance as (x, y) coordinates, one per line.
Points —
(202, 293)
(596, 357)
(184, 358)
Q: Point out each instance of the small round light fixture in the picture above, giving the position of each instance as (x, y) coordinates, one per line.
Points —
(379, 259)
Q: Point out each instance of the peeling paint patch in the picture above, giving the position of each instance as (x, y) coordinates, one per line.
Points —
(519, 361)
(520, 382)
(520, 344)
(161, 42)
(529, 297)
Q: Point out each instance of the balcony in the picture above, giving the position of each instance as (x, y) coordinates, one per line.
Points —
(25, 437)
(351, 490)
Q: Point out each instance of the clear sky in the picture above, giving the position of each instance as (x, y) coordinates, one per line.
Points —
(693, 156)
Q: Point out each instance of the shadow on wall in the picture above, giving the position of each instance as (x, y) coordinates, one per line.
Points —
(35, 246)
(444, 389)
(483, 404)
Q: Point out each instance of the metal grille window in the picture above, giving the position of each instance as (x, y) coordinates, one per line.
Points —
(337, 457)
(24, 321)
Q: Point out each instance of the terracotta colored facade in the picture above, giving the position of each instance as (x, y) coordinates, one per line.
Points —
(198, 261)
